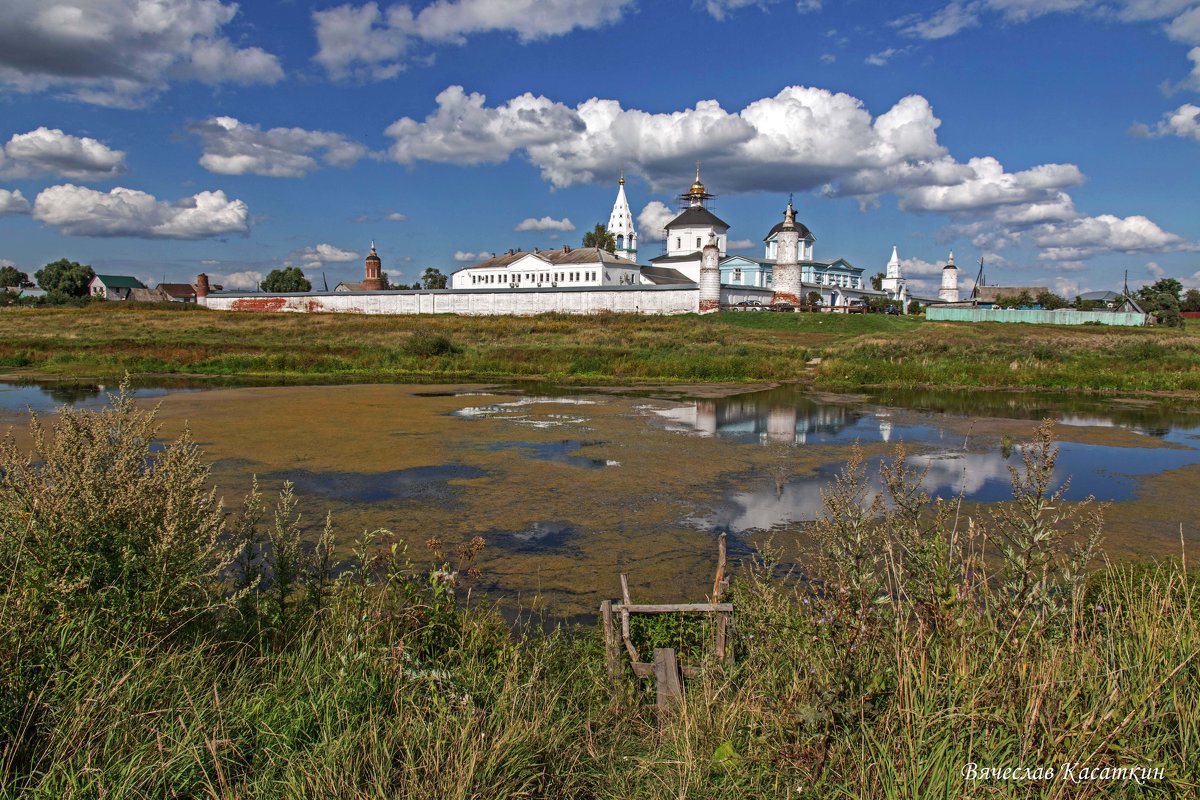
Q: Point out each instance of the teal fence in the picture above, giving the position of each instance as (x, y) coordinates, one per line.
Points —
(1064, 316)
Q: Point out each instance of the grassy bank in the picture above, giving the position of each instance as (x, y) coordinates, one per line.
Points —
(106, 340)
(150, 646)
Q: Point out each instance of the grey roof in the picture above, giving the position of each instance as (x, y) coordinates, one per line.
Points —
(805, 233)
(665, 276)
(143, 295)
(1104, 297)
(697, 217)
(556, 257)
(184, 290)
(664, 259)
(990, 294)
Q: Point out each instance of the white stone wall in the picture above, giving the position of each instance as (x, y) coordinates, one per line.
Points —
(735, 295)
(621, 300)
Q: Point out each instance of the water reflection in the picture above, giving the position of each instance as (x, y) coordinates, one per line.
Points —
(16, 398)
(976, 469)
(776, 416)
(1154, 417)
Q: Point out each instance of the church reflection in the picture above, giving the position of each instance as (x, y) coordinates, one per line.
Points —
(781, 416)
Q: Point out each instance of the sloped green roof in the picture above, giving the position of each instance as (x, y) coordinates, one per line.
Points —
(121, 282)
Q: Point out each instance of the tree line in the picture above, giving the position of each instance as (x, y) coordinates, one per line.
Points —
(66, 282)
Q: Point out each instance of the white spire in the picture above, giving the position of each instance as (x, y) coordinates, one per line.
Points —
(620, 224)
(893, 265)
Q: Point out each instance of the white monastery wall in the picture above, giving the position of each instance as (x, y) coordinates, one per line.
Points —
(518, 302)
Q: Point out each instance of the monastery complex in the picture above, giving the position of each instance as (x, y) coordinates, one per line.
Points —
(694, 274)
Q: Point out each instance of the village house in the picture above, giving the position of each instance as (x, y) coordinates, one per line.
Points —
(113, 287)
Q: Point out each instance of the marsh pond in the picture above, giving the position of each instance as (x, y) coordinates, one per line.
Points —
(570, 487)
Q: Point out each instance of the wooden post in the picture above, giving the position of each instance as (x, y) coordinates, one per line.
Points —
(610, 641)
(629, 648)
(666, 678)
(722, 626)
(720, 578)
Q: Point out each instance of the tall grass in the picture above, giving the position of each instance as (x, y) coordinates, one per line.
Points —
(154, 645)
(104, 340)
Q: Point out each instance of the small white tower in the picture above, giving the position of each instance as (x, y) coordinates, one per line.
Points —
(949, 291)
(787, 267)
(710, 275)
(892, 279)
(620, 225)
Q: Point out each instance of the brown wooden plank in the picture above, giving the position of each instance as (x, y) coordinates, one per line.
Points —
(669, 608)
(666, 678)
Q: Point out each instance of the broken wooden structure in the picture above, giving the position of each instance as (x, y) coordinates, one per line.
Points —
(665, 666)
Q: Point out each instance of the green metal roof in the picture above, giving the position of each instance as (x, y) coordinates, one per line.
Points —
(121, 282)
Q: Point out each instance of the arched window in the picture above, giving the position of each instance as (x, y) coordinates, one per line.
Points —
(620, 242)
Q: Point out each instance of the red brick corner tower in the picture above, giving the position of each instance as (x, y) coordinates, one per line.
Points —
(373, 279)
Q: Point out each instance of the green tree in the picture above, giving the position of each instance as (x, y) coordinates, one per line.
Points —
(1161, 299)
(432, 278)
(600, 236)
(11, 276)
(1015, 301)
(914, 306)
(1050, 301)
(877, 281)
(289, 279)
(65, 277)
(1191, 301)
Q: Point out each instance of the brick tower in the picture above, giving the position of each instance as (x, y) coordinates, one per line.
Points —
(373, 279)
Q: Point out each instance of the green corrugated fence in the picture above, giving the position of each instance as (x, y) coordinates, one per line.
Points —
(1065, 316)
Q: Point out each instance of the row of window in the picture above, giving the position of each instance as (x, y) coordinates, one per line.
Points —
(531, 277)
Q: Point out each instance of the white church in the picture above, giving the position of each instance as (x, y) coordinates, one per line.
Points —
(837, 282)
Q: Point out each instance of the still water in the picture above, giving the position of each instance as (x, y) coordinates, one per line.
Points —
(571, 488)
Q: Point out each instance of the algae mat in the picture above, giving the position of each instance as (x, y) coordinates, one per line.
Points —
(571, 490)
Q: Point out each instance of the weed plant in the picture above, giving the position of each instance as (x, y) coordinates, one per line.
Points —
(153, 644)
(105, 340)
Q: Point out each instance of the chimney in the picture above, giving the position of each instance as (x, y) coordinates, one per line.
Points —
(201, 285)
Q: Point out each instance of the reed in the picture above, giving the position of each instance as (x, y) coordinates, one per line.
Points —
(153, 644)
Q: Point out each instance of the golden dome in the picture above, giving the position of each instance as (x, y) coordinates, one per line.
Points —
(697, 186)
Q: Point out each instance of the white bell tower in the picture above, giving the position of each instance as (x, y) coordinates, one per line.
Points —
(620, 225)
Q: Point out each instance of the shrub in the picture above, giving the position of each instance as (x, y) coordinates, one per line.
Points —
(424, 343)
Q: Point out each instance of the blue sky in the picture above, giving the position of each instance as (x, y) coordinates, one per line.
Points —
(1059, 139)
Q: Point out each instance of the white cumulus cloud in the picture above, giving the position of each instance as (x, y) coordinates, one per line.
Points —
(247, 279)
(461, 255)
(1183, 122)
(545, 224)
(316, 256)
(123, 52)
(370, 42)
(1088, 236)
(989, 185)
(232, 147)
(652, 220)
(464, 131)
(13, 202)
(740, 244)
(801, 138)
(79, 211)
(50, 151)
